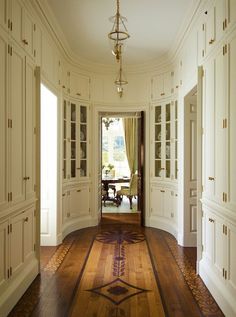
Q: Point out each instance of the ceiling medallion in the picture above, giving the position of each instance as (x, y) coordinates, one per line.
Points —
(117, 37)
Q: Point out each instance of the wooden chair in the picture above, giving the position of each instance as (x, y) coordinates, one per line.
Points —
(130, 192)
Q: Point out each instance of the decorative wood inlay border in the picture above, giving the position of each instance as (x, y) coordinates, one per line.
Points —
(200, 292)
(58, 257)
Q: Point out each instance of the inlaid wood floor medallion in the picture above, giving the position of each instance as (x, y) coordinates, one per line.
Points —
(118, 279)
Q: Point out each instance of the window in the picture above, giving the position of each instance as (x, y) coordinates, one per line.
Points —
(113, 150)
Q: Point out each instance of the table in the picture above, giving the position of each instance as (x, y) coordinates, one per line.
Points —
(106, 181)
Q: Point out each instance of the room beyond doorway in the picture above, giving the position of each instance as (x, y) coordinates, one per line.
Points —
(121, 163)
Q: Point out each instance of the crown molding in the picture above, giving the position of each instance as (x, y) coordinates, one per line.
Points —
(49, 21)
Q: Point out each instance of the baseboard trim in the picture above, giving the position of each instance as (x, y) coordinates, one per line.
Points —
(17, 287)
(163, 224)
(77, 224)
(223, 297)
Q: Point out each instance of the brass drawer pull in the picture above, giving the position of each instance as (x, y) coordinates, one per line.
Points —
(26, 219)
(26, 178)
(162, 191)
(78, 190)
(78, 94)
(211, 41)
(162, 94)
(25, 42)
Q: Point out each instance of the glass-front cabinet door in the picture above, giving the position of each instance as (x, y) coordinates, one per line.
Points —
(166, 141)
(83, 157)
(158, 142)
(75, 141)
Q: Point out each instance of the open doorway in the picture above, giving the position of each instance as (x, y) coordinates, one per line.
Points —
(121, 168)
(48, 167)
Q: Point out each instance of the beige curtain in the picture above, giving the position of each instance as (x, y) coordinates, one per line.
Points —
(131, 137)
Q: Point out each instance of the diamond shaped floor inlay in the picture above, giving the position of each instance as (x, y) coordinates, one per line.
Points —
(117, 291)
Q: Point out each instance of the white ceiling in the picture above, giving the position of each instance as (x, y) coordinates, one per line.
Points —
(152, 24)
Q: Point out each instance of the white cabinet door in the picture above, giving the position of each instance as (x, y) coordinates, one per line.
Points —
(64, 77)
(231, 256)
(16, 13)
(210, 29)
(232, 121)
(79, 86)
(65, 206)
(79, 201)
(29, 234)
(28, 30)
(201, 40)
(30, 121)
(209, 238)
(3, 124)
(17, 132)
(83, 200)
(230, 12)
(209, 129)
(220, 249)
(168, 202)
(3, 13)
(17, 243)
(167, 83)
(157, 202)
(157, 87)
(3, 254)
(220, 132)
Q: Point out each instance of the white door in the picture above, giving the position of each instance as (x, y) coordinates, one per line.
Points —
(17, 132)
(190, 167)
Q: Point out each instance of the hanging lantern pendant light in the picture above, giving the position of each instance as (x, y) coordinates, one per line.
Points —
(119, 31)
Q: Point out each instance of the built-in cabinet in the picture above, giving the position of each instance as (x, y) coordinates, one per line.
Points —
(75, 163)
(164, 164)
(219, 156)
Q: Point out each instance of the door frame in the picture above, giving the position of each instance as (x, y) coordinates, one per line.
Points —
(103, 110)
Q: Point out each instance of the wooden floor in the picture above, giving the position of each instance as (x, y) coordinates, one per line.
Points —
(118, 269)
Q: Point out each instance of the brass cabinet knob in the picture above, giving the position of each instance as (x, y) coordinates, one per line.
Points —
(25, 42)
(211, 178)
(26, 219)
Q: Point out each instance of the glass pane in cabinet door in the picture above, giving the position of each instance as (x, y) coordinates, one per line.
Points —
(168, 131)
(83, 168)
(64, 149)
(158, 168)
(83, 150)
(73, 149)
(83, 114)
(176, 169)
(83, 132)
(64, 110)
(167, 150)
(167, 169)
(157, 132)
(73, 168)
(64, 129)
(157, 114)
(176, 149)
(64, 169)
(176, 129)
(168, 112)
(157, 150)
(176, 110)
(73, 112)
(73, 131)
